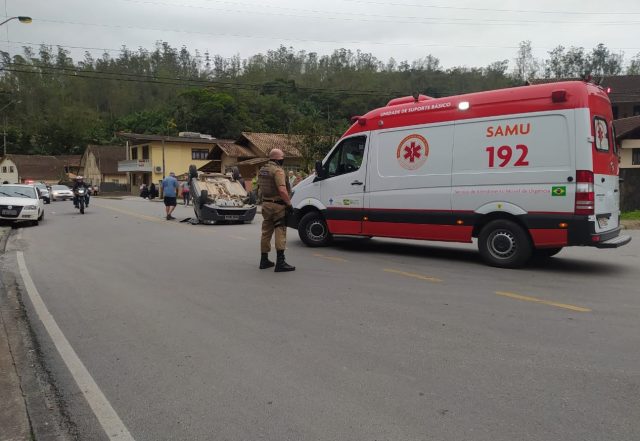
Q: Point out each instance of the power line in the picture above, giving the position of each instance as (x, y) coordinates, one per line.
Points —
(21, 44)
(464, 8)
(430, 21)
(361, 16)
(177, 81)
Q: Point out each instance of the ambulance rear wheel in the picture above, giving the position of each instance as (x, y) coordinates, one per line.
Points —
(313, 230)
(504, 244)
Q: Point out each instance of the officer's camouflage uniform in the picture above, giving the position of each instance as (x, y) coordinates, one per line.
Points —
(270, 177)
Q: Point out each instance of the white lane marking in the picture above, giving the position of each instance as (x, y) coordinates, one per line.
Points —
(113, 427)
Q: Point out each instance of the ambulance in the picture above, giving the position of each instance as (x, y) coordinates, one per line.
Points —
(526, 170)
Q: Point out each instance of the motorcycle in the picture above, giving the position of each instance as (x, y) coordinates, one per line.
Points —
(82, 198)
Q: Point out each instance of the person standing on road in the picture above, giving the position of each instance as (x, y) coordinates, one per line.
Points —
(152, 191)
(185, 193)
(170, 193)
(276, 200)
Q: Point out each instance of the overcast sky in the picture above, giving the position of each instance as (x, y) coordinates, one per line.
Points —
(461, 32)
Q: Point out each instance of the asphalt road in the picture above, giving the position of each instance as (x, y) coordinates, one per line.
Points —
(367, 340)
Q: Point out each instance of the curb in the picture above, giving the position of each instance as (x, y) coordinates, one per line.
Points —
(14, 419)
(630, 224)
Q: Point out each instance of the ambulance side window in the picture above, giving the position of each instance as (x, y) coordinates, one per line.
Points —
(347, 157)
(601, 133)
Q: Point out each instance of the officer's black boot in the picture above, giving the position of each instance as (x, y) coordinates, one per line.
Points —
(265, 262)
(281, 264)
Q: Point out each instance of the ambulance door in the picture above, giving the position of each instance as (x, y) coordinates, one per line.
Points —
(605, 176)
(343, 186)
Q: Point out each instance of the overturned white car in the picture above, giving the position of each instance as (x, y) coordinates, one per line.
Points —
(218, 198)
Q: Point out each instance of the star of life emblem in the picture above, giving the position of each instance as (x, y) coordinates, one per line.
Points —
(412, 152)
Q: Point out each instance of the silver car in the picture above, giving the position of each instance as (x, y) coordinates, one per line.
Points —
(44, 192)
(61, 193)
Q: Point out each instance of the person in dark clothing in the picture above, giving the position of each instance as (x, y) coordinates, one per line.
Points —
(77, 184)
(235, 172)
(144, 191)
(193, 173)
(152, 191)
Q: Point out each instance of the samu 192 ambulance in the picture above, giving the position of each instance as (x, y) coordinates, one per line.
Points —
(527, 171)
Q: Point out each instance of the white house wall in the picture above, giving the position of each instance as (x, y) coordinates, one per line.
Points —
(11, 177)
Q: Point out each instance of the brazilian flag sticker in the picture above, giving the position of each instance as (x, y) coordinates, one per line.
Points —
(559, 191)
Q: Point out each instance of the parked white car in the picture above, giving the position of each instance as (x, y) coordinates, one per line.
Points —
(21, 203)
(61, 192)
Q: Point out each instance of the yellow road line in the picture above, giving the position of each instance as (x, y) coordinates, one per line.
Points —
(131, 213)
(335, 259)
(542, 301)
(165, 222)
(413, 275)
(158, 220)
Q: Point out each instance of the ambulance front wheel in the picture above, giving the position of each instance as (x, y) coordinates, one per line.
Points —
(313, 230)
(504, 244)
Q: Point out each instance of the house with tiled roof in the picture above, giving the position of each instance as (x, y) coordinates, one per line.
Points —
(31, 168)
(628, 138)
(150, 158)
(624, 93)
(71, 164)
(99, 166)
(250, 151)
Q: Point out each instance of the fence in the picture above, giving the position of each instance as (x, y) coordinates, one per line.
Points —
(112, 187)
(630, 189)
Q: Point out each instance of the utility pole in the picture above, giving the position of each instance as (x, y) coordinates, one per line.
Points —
(4, 144)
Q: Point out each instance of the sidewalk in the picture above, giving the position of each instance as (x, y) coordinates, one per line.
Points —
(14, 421)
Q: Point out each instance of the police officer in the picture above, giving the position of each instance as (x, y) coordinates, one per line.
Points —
(275, 203)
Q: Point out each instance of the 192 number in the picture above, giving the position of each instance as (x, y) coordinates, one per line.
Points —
(506, 153)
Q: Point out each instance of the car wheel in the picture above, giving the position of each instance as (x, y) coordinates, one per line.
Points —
(546, 253)
(313, 230)
(504, 244)
(41, 216)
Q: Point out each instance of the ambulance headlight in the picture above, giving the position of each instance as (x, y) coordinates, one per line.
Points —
(463, 105)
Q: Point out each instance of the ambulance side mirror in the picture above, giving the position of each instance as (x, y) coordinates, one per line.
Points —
(320, 172)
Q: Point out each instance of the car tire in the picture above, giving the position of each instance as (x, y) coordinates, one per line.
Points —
(41, 217)
(505, 244)
(313, 230)
(546, 253)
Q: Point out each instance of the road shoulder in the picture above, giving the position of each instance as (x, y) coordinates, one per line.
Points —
(30, 407)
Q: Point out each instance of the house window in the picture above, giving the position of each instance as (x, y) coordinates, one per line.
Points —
(134, 152)
(4, 169)
(11, 169)
(145, 152)
(199, 154)
(636, 110)
(635, 157)
(115, 181)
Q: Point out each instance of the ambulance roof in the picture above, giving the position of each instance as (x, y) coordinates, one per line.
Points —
(514, 100)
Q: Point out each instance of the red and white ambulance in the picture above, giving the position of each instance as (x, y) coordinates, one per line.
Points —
(527, 171)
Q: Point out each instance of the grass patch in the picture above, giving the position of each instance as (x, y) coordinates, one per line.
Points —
(631, 215)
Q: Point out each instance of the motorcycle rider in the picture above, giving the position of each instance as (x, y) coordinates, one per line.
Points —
(77, 184)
